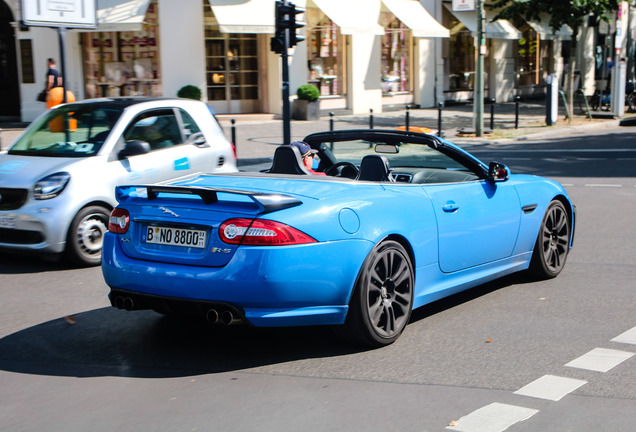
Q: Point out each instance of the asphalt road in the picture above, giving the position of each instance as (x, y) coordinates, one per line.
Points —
(69, 362)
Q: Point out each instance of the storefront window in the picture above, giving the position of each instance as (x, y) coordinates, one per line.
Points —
(527, 59)
(231, 66)
(325, 53)
(123, 63)
(396, 55)
(460, 61)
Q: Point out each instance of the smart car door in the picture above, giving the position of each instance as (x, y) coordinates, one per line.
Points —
(154, 147)
(478, 222)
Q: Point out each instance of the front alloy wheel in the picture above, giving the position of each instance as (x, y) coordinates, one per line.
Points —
(382, 300)
(553, 243)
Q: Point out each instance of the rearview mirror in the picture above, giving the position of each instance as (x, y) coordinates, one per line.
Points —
(498, 172)
(387, 148)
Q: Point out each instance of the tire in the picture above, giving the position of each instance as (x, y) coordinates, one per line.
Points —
(553, 243)
(86, 236)
(382, 299)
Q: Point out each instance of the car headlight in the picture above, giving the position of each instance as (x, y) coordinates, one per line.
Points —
(51, 185)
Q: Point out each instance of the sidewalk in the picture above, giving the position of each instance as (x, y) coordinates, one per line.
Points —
(257, 135)
(256, 139)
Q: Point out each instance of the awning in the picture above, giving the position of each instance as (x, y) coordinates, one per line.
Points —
(545, 31)
(415, 17)
(500, 29)
(120, 15)
(352, 16)
(244, 16)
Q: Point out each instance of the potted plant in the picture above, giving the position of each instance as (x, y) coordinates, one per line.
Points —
(307, 104)
(189, 92)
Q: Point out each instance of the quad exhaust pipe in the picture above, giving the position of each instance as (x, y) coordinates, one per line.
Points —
(226, 317)
(126, 303)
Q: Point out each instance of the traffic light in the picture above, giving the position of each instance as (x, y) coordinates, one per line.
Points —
(286, 20)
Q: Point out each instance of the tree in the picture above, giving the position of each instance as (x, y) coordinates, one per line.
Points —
(571, 13)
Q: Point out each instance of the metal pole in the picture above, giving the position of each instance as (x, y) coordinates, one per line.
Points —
(517, 99)
(492, 114)
(370, 118)
(286, 108)
(331, 121)
(233, 130)
(439, 118)
(408, 118)
(61, 33)
(479, 84)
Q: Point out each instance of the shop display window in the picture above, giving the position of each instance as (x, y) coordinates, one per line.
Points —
(396, 55)
(325, 53)
(460, 54)
(123, 63)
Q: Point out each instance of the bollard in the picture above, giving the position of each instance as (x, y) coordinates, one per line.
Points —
(370, 118)
(439, 118)
(492, 114)
(408, 118)
(517, 99)
(331, 128)
(233, 131)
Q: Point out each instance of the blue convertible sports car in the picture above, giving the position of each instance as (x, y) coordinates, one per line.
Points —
(400, 220)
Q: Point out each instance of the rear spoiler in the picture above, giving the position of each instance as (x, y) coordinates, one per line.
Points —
(266, 202)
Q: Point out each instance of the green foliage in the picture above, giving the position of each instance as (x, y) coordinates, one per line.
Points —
(560, 12)
(308, 92)
(189, 92)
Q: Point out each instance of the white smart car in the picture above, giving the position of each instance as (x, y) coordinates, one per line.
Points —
(57, 181)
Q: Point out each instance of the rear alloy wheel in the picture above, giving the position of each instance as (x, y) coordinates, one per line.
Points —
(553, 243)
(382, 300)
(86, 236)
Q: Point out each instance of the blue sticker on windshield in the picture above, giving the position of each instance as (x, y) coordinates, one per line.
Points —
(11, 167)
(182, 164)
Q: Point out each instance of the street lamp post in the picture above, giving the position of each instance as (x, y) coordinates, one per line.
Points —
(479, 79)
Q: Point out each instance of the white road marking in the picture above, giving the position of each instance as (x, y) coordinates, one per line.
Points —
(629, 337)
(601, 185)
(496, 417)
(550, 387)
(600, 359)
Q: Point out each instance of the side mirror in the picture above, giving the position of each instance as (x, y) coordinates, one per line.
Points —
(134, 148)
(198, 139)
(498, 172)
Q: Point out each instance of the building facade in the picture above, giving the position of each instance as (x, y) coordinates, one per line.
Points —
(360, 54)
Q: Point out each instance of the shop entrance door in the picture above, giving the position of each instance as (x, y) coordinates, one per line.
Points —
(232, 72)
(9, 85)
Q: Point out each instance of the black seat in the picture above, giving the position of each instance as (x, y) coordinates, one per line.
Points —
(287, 160)
(374, 168)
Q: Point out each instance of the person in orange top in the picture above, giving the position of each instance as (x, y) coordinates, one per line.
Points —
(307, 154)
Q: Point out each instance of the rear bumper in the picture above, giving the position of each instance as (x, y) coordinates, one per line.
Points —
(269, 286)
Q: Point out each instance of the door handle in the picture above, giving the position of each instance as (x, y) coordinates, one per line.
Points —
(450, 207)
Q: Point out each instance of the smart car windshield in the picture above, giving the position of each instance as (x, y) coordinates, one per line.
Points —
(74, 130)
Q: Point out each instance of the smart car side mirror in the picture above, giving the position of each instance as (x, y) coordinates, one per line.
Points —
(498, 172)
(134, 148)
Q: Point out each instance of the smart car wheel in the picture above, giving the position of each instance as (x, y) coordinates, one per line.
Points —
(382, 300)
(553, 241)
(86, 235)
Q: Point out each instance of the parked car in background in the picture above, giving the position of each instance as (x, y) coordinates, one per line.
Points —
(57, 181)
(400, 219)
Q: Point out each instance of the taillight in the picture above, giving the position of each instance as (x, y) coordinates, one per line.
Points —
(119, 221)
(261, 232)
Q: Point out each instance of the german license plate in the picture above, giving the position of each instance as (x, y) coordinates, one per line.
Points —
(7, 221)
(175, 236)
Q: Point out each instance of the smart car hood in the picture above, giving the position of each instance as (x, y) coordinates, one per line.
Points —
(25, 171)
